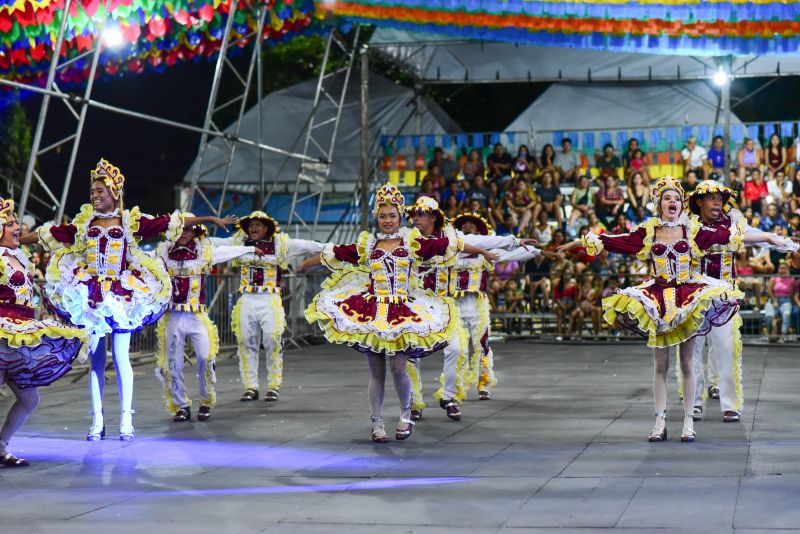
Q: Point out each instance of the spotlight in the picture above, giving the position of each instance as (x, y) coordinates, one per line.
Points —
(721, 78)
(112, 37)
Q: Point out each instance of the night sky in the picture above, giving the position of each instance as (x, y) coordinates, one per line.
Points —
(155, 158)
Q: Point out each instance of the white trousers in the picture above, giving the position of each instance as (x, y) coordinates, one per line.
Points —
(475, 316)
(725, 365)
(258, 318)
(173, 330)
(453, 371)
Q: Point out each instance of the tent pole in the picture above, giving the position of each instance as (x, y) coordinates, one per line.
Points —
(364, 138)
(726, 107)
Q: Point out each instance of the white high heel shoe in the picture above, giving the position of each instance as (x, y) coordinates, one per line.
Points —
(98, 429)
(688, 434)
(126, 425)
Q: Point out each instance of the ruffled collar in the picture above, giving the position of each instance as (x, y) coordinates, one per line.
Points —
(109, 215)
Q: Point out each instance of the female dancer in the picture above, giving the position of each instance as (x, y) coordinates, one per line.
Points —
(32, 353)
(100, 280)
(379, 308)
(677, 303)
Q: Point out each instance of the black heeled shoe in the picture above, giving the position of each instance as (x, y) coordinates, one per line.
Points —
(249, 395)
(9, 460)
(204, 413)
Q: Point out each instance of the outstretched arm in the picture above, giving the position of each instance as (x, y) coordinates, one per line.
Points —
(313, 261)
(471, 249)
(30, 238)
(221, 222)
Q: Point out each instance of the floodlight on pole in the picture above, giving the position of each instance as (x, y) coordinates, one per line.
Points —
(112, 37)
(721, 78)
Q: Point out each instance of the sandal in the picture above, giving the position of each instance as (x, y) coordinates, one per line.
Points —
(204, 414)
(688, 434)
(9, 460)
(416, 415)
(451, 407)
(379, 434)
(657, 435)
(183, 414)
(484, 394)
(271, 395)
(249, 395)
(401, 434)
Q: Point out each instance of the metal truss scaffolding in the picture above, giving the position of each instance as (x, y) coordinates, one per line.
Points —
(78, 104)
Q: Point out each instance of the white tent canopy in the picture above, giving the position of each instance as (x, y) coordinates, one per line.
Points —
(610, 107)
(443, 59)
(284, 118)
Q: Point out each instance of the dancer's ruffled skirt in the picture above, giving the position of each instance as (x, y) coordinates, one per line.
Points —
(39, 352)
(348, 314)
(667, 313)
(138, 297)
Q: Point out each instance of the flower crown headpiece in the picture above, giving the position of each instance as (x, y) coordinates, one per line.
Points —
(6, 209)
(389, 195)
(666, 183)
(109, 175)
(708, 187)
(484, 226)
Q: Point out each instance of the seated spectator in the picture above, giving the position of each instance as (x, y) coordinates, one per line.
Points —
(514, 297)
(452, 207)
(795, 163)
(635, 160)
(480, 191)
(794, 225)
(427, 190)
(694, 158)
(525, 163)
(522, 205)
(784, 299)
(499, 163)
(745, 275)
(547, 161)
(639, 216)
(447, 167)
(537, 279)
(595, 225)
(506, 270)
(473, 166)
(637, 194)
(761, 262)
(567, 162)
(716, 158)
(454, 190)
(603, 266)
(580, 258)
(608, 163)
(542, 231)
(755, 192)
(794, 201)
(588, 303)
(565, 300)
(748, 159)
(507, 226)
(777, 256)
(690, 181)
(495, 291)
(582, 201)
(473, 205)
(558, 259)
(775, 155)
(621, 225)
(610, 201)
(779, 190)
(549, 196)
(737, 187)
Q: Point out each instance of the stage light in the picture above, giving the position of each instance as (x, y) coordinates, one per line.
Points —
(112, 37)
(721, 78)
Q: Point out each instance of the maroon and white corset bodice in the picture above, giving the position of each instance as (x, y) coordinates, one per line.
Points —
(672, 261)
(105, 251)
(390, 273)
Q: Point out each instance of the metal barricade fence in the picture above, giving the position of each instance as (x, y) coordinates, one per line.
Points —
(534, 317)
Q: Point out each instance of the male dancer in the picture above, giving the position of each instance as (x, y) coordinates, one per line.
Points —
(468, 287)
(189, 259)
(710, 202)
(258, 315)
(430, 221)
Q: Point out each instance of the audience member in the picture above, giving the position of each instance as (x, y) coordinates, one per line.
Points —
(748, 159)
(775, 155)
(755, 192)
(549, 195)
(716, 157)
(522, 205)
(694, 158)
(473, 166)
(447, 167)
(581, 200)
(610, 200)
(500, 164)
(608, 163)
(567, 162)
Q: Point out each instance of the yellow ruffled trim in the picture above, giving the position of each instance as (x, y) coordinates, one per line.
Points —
(737, 361)
(461, 367)
(619, 303)
(417, 402)
(694, 228)
(361, 247)
(22, 339)
(276, 368)
(372, 342)
(236, 326)
(647, 242)
(282, 249)
(156, 267)
(213, 350)
(133, 215)
(175, 226)
(46, 239)
(162, 367)
(593, 244)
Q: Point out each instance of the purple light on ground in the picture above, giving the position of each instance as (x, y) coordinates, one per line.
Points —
(164, 452)
(382, 484)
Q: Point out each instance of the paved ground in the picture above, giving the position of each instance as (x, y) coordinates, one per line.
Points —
(561, 447)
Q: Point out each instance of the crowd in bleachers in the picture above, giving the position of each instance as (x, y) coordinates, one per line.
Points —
(557, 194)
